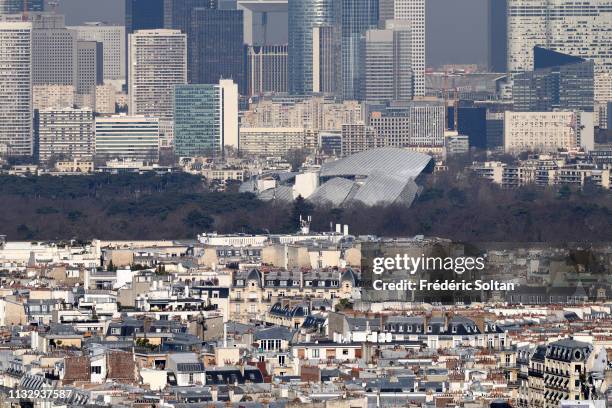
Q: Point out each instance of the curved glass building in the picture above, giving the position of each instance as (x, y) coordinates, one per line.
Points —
(304, 16)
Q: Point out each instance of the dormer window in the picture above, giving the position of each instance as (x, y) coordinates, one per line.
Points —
(454, 329)
(409, 329)
(429, 329)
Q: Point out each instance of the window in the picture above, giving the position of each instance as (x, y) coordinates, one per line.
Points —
(96, 369)
(315, 353)
(281, 360)
(345, 352)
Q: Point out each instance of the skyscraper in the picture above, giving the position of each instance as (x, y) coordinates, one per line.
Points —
(206, 118)
(266, 69)
(16, 89)
(559, 81)
(413, 11)
(497, 35)
(358, 16)
(157, 62)
(582, 29)
(143, 15)
(16, 6)
(113, 39)
(326, 66)
(53, 51)
(386, 63)
(86, 60)
(304, 16)
(217, 47)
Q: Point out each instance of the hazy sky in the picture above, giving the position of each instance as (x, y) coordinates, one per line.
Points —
(456, 29)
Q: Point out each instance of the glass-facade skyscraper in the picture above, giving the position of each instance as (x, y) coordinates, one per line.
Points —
(143, 15)
(206, 118)
(497, 27)
(304, 16)
(216, 44)
(358, 16)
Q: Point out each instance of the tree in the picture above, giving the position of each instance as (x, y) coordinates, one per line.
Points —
(296, 158)
(198, 220)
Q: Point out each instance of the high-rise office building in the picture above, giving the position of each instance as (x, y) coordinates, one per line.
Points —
(326, 66)
(559, 81)
(413, 11)
(266, 69)
(16, 6)
(357, 17)
(59, 58)
(127, 137)
(582, 29)
(386, 11)
(206, 118)
(304, 16)
(217, 47)
(16, 89)
(178, 15)
(87, 55)
(387, 63)
(113, 40)
(53, 51)
(143, 15)
(497, 35)
(157, 62)
(65, 134)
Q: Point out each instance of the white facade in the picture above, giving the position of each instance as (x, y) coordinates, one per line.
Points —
(66, 133)
(157, 62)
(414, 12)
(127, 137)
(113, 39)
(547, 132)
(582, 29)
(229, 97)
(16, 88)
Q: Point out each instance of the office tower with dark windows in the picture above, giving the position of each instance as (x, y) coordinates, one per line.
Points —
(178, 13)
(206, 118)
(304, 16)
(326, 65)
(143, 15)
(16, 6)
(387, 64)
(88, 54)
(497, 35)
(266, 69)
(16, 89)
(559, 81)
(358, 16)
(472, 122)
(216, 43)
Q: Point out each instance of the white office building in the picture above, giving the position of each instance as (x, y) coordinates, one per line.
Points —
(547, 132)
(66, 134)
(127, 137)
(157, 62)
(413, 11)
(112, 38)
(15, 88)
